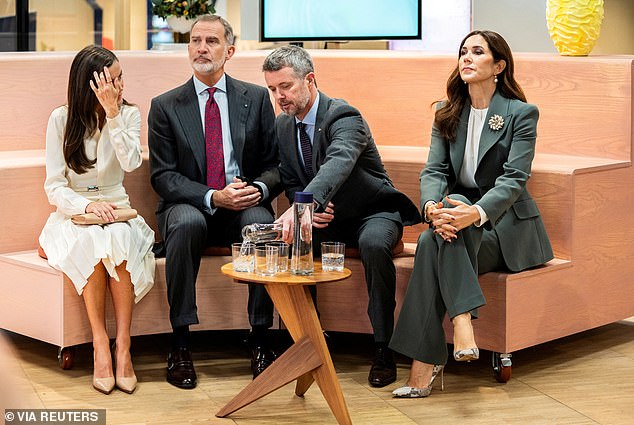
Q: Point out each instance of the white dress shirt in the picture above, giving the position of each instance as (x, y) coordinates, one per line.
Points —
(466, 178)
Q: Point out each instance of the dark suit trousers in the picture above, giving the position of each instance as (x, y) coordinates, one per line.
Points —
(375, 236)
(186, 232)
(444, 280)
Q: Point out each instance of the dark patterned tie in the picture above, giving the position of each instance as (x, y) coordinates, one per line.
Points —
(213, 142)
(307, 150)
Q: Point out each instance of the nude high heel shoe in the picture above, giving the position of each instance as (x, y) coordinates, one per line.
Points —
(127, 384)
(103, 385)
(413, 392)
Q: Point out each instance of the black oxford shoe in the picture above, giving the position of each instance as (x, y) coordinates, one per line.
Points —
(261, 358)
(180, 369)
(383, 371)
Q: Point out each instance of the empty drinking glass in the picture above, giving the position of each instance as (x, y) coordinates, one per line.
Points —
(266, 260)
(282, 255)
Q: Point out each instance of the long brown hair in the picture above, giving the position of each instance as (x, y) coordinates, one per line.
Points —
(85, 113)
(447, 116)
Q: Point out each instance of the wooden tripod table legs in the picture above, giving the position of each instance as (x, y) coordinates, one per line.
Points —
(307, 360)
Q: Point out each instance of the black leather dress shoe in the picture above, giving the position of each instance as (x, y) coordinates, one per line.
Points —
(180, 369)
(383, 371)
(261, 358)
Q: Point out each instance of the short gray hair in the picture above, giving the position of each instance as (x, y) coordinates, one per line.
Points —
(230, 38)
(294, 57)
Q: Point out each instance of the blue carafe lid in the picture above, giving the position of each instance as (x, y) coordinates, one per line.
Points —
(304, 197)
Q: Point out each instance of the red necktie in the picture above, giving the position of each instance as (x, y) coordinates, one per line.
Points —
(213, 141)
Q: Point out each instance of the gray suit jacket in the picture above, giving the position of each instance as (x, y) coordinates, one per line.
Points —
(504, 166)
(348, 168)
(177, 143)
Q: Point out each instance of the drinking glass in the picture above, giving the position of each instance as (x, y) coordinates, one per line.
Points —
(243, 256)
(282, 255)
(332, 256)
(266, 260)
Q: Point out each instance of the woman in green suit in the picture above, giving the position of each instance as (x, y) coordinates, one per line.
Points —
(474, 196)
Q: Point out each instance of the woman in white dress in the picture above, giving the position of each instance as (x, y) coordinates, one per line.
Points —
(90, 143)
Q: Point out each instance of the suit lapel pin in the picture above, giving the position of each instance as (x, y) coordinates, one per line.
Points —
(246, 105)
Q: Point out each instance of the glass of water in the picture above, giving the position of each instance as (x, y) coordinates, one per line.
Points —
(282, 255)
(243, 256)
(332, 256)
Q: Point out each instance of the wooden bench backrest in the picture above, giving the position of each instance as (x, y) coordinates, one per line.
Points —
(585, 110)
(32, 85)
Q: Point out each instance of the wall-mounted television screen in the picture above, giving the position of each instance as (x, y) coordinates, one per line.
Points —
(339, 20)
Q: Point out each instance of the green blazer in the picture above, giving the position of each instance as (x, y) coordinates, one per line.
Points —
(504, 166)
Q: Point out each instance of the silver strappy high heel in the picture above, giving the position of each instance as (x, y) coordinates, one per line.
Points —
(413, 392)
(466, 355)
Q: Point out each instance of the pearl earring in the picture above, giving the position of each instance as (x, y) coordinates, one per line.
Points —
(495, 78)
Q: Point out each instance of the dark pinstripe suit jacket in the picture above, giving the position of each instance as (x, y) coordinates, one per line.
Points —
(177, 144)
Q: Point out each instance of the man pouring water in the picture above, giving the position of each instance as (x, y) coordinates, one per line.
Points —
(326, 148)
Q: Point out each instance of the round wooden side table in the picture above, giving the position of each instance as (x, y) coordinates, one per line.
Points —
(308, 359)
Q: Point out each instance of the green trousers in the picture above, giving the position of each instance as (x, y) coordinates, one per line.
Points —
(444, 281)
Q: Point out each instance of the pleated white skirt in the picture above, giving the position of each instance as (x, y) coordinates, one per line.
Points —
(76, 249)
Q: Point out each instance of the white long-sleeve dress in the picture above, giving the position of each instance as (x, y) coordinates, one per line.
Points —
(76, 249)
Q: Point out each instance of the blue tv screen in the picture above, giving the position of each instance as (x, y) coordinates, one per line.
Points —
(340, 20)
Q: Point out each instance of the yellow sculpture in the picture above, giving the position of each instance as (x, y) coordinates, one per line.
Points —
(574, 25)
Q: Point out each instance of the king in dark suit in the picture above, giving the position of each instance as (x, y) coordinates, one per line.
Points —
(202, 136)
(326, 148)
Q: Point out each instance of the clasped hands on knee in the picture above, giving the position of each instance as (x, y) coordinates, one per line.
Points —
(237, 196)
(447, 222)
